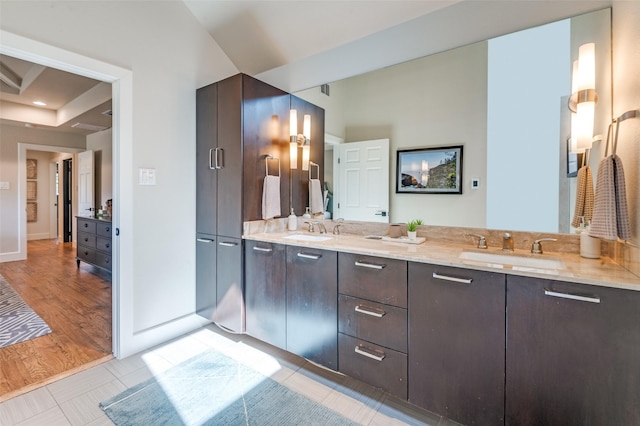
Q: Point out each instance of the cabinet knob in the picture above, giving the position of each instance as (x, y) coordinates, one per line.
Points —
(106, 260)
(107, 245)
(107, 229)
(86, 225)
(86, 253)
(86, 239)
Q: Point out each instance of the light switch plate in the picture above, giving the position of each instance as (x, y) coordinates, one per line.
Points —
(146, 176)
(4, 185)
(475, 183)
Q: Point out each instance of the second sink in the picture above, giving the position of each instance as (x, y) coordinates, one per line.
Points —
(307, 237)
(513, 260)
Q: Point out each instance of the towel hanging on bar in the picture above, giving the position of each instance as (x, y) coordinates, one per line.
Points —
(584, 197)
(271, 192)
(610, 213)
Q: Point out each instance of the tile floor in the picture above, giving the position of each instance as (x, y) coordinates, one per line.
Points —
(74, 400)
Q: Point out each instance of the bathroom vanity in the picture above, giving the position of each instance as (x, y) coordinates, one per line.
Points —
(475, 341)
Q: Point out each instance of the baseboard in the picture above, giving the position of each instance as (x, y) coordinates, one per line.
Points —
(40, 236)
(12, 257)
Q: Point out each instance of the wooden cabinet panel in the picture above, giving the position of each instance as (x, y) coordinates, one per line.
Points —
(373, 364)
(229, 311)
(206, 144)
(265, 290)
(384, 325)
(571, 361)
(87, 240)
(312, 305)
(456, 343)
(206, 299)
(374, 278)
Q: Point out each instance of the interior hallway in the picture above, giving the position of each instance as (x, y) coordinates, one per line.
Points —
(75, 303)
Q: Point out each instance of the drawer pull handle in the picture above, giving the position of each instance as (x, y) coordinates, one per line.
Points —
(369, 264)
(365, 352)
(309, 256)
(265, 250)
(572, 296)
(227, 244)
(454, 279)
(204, 240)
(378, 313)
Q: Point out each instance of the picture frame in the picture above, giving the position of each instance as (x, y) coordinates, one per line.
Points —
(32, 190)
(32, 168)
(430, 170)
(32, 211)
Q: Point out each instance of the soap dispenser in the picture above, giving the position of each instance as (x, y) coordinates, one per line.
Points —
(589, 246)
(292, 223)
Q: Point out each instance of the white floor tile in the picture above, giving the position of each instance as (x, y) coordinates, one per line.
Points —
(25, 406)
(84, 409)
(80, 383)
(51, 417)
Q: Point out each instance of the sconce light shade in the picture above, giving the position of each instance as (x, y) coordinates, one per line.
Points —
(583, 98)
(293, 155)
(306, 128)
(306, 148)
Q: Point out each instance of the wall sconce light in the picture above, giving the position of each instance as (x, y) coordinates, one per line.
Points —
(299, 140)
(583, 98)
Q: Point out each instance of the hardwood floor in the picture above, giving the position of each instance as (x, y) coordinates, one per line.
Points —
(75, 302)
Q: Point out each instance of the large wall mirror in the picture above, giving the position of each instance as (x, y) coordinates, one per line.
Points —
(504, 100)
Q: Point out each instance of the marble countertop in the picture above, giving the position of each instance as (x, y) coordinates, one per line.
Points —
(600, 272)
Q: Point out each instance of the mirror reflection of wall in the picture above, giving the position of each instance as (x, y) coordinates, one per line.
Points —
(499, 114)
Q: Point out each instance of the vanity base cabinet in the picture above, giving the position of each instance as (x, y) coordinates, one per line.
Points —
(312, 305)
(229, 311)
(206, 299)
(265, 292)
(456, 343)
(573, 354)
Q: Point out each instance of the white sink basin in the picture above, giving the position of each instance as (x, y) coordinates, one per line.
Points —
(307, 237)
(517, 261)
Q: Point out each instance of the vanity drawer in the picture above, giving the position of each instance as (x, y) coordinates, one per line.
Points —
(86, 254)
(103, 244)
(86, 240)
(380, 367)
(103, 260)
(86, 226)
(381, 324)
(104, 229)
(373, 278)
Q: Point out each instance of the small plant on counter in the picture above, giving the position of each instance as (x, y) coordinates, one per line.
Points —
(413, 225)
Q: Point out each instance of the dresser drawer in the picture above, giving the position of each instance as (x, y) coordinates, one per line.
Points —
(103, 244)
(87, 226)
(384, 325)
(373, 278)
(378, 366)
(103, 260)
(86, 240)
(86, 254)
(104, 229)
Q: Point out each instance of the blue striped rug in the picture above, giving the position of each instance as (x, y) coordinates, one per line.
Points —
(18, 322)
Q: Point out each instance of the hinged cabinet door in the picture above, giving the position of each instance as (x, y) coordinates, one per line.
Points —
(206, 152)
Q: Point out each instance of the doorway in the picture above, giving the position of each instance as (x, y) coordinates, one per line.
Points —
(67, 188)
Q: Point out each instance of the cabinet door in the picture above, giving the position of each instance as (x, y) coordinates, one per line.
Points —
(312, 305)
(456, 342)
(229, 194)
(205, 275)
(206, 144)
(229, 311)
(573, 354)
(265, 295)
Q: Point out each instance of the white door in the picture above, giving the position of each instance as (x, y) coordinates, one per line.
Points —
(363, 184)
(85, 184)
(53, 200)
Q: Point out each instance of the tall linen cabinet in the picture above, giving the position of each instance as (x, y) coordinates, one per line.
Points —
(240, 120)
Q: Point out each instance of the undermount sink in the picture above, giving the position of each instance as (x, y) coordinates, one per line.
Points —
(516, 261)
(307, 237)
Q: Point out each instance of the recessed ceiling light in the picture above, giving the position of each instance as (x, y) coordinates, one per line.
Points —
(39, 103)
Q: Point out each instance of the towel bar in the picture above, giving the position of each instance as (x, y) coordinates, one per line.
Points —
(311, 166)
(266, 164)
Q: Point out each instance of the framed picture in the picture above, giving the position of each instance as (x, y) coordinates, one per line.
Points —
(32, 168)
(32, 190)
(32, 212)
(435, 170)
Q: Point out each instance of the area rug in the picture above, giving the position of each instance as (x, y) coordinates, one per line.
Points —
(213, 389)
(18, 322)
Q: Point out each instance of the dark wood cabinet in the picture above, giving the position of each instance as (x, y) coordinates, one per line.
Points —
(457, 343)
(94, 244)
(229, 311)
(573, 354)
(206, 156)
(206, 299)
(265, 288)
(312, 305)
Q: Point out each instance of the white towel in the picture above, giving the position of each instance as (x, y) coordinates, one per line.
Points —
(271, 197)
(610, 213)
(315, 196)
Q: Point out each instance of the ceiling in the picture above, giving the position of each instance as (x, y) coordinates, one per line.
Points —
(292, 45)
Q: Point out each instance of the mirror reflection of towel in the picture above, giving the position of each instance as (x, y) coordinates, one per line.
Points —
(610, 213)
(271, 197)
(584, 197)
(315, 196)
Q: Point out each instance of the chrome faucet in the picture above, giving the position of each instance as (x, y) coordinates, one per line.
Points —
(311, 227)
(323, 230)
(536, 247)
(507, 242)
(482, 241)
(336, 227)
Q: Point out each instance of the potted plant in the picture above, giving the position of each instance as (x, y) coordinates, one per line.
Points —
(412, 227)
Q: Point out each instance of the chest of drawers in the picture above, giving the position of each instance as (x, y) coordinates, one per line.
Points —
(94, 242)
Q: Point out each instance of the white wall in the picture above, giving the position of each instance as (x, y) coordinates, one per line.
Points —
(100, 143)
(170, 55)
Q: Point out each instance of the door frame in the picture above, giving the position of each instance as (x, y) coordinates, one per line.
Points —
(121, 81)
